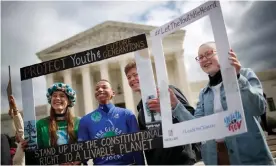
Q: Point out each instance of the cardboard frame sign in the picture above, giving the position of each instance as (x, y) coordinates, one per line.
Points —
(208, 127)
(81, 151)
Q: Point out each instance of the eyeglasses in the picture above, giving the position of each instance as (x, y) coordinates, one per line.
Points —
(209, 54)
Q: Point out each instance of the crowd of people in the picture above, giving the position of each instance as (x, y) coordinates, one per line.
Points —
(108, 120)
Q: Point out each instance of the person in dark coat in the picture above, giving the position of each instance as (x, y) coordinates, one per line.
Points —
(264, 121)
(179, 155)
(6, 158)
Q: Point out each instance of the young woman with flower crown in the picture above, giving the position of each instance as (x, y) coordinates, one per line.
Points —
(61, 126)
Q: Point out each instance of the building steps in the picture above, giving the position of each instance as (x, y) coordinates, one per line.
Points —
(271, 141)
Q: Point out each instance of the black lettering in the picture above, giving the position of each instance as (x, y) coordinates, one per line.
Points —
(117, 52)
(133, 147)
(73, 57)
(25, 71)
(61, 149)
(107, 47)
(214, 4)
(139, 145)
(41, 161)
(49, 160)
(121, 147)
(105, 54)
(87, 156)
(51, 66)
(91, 144)
(128, 150)
(63, 63)
(78, 61)
(36, 154)
(94, 152)
(111, 152)
(103, 141)
(77, 158)
(103, 152)
(137, 46)
(121, 50)
(145, 147)
(83, 60)
(57, 67)
(202, 10)
(88, 55)
(132, 137)
(33, 70)
(37, 69)
(70, 157)
(145, 136)
(142, 44)
(98, 152)
(76, 147)
(98, 54)
(45, 67)
(157, 32)
(125, 42)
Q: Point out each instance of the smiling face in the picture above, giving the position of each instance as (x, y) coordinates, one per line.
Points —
(59, 102)
(133, 79)
(104, 92)
(208, 58)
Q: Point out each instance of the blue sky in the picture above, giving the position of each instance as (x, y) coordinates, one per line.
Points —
(29, 27)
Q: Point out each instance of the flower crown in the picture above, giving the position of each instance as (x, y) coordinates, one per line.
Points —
(71, 94)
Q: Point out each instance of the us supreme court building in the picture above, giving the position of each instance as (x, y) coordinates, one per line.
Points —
(84, 78)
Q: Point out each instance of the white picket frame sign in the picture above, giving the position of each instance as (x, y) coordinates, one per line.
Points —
(211, 126)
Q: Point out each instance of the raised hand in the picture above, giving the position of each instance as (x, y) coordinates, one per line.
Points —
(154, 104)
(13, 110)
(234, 61)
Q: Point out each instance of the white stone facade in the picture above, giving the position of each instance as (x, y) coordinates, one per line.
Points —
(84, 78)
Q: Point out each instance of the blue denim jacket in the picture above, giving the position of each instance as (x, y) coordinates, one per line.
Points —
(247, 148)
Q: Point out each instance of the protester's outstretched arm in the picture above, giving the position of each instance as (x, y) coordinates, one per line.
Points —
(19, 125)
(182, 114)
(17, 118)
(181, 97)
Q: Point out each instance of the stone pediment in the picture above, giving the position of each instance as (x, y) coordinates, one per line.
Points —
(101, 34)
(100, 37)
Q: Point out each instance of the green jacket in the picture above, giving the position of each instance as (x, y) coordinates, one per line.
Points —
(43, 135)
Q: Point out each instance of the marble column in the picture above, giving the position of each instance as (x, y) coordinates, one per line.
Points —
(104, 71)
(49, 83)
(128, 95)
(67, 79)
(183, 83)
(88, 89)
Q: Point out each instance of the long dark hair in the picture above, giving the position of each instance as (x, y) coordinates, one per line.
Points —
(53, 127)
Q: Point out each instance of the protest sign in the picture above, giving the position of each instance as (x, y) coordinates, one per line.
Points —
(226, 123)
(108, 146)
(84, 150)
